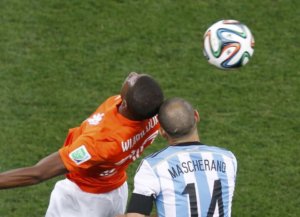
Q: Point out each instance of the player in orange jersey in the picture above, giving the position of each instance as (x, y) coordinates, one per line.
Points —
(96, 154)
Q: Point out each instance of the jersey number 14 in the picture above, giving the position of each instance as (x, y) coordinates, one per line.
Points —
(216, 198)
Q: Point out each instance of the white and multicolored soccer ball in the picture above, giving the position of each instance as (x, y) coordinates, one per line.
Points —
(228, 44)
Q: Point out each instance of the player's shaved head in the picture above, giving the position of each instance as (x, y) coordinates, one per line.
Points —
(144, 97)
(176, 117)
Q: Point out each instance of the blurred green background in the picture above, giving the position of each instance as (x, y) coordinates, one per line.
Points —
(60, 59)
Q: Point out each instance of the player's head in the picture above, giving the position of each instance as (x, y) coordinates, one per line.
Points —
(142, 96)
(178, 118)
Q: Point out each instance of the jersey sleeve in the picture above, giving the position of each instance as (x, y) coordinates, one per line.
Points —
(85, 153)
(145, 181)
(146, 187)
(235, 165)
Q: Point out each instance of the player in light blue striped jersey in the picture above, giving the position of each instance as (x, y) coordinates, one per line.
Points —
(187, 178)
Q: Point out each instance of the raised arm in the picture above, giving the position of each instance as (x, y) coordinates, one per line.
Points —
(46, 168)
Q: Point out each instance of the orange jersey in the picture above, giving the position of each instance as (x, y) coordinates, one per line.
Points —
(98, 152)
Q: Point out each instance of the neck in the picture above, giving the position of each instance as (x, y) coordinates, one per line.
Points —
(125, 113)
(190, 138)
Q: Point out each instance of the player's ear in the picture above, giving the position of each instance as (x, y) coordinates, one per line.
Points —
(163, 133)
(196, 116)
(124, 104)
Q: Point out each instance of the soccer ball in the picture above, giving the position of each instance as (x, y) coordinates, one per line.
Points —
(228, 44)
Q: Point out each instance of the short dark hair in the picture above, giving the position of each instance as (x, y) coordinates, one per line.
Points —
(176, 117)
(144, 98)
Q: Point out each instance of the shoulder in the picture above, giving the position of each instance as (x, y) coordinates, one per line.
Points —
(114, 98)
(218, 150)
(156, 158)
(156, 154)
(111, 101)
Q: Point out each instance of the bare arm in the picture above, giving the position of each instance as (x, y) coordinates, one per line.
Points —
(46, 168)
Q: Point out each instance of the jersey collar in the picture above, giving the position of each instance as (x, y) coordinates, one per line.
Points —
(188, 143)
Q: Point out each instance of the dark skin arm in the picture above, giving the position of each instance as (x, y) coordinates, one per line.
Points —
(47, 168)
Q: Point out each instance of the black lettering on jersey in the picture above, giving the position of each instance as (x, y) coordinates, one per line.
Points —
(197, 165)
(190, 166)
(179, 170)
(173, 173)
(213, 166)
(200, 162)
(184, 166)
(206, 165)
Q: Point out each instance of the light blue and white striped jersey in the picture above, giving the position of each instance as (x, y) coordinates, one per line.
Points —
(189, 179)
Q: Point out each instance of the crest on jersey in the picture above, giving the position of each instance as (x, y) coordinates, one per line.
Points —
(95, 119)
(80, 155)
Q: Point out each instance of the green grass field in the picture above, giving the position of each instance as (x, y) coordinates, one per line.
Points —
(60, 59)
